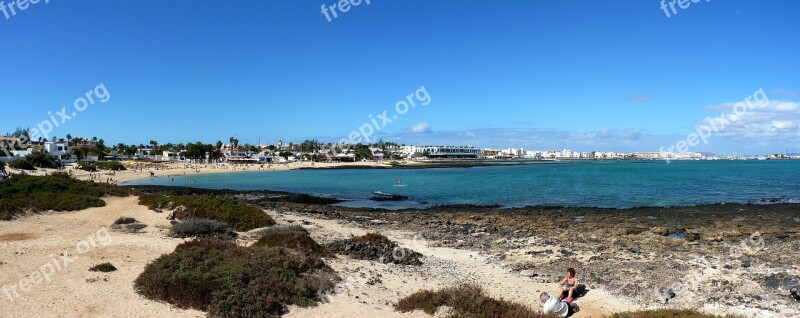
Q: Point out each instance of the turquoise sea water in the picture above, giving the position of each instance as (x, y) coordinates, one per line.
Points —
(617, 184)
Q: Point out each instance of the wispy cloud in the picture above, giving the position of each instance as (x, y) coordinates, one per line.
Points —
(639, 98)
(419, 128)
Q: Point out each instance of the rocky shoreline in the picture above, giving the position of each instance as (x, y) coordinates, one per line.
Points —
(724, 255)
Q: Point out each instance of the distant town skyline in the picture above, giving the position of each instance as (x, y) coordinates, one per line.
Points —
(524, 74)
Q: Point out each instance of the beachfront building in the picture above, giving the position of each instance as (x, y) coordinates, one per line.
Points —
(450, 152)
(58, 150)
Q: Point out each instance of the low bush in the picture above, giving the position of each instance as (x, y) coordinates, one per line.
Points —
(667, 313)
(100, 165)
(104, 267)
(228, 280)
(2, 166)
(465, 301)
(124, 220)
(240, 216)
(57, 192)
(21, 164)
(42, 160)
(126, 224)
(110, 165)
(300, 241)
(201, 228)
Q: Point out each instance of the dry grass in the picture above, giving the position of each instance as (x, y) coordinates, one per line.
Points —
(13, 237)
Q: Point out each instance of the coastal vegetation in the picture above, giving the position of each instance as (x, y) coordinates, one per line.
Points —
(291, 238)
(229, 280)
(104, 267)
(465, 301)
(21, 164)
(56, 192)
(101, 165)
(239, 216)
(129, 225)
(202, 228)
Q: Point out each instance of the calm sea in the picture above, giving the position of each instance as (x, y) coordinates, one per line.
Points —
(617, 184)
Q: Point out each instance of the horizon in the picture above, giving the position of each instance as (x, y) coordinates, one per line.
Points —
(535, 75)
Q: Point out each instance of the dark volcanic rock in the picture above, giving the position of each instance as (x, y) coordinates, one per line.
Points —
(384, 252)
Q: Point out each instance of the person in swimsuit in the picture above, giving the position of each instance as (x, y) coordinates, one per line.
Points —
(568, 285)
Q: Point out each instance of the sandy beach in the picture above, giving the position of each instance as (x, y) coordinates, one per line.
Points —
(166, 169)
(368, 289)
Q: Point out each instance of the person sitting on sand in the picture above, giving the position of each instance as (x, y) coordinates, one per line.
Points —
(568, 285)
(554, 305)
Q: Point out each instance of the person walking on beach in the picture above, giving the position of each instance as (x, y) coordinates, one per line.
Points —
(568, 285)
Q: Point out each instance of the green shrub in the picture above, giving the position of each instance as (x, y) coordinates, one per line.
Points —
(2, 165)
(294, 240)
(21, 164)
(465, 301)
(201, 228)
(240, 216)
(42, 160)
(229, 280)
(57, 192)
(667, 313)
(110, 165)
(104, 267)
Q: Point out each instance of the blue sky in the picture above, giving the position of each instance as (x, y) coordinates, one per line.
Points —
(588, 75)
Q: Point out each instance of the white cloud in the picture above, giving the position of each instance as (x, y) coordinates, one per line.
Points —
(776, 121)
(419, 128)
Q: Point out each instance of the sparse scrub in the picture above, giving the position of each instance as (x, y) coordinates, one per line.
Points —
(465, 301)
(202, 228)
(104, 267)
(124, 220)
(56, 192)
(240, 216)
(228, 280)
(127, 224)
